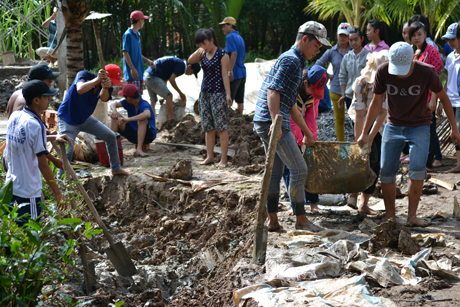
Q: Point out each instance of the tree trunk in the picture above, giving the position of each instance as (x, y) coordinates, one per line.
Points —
(74, 14)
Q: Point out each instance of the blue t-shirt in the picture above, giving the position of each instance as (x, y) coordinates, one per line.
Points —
(285, 77)
(77, 108)
(143, 105)
(52, 38)
(166, 66)
(236, 43)
(447, 49)
(132, 44)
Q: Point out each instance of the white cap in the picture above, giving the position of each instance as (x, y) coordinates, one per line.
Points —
(344, 28)
(401, 56)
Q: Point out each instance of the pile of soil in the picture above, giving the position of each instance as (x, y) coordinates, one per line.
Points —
(9, 85)
(182, 243)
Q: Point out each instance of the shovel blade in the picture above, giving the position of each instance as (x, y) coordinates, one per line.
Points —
(120, 259)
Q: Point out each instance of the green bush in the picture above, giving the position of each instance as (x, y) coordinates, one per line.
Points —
(266, 54)
(36, 255)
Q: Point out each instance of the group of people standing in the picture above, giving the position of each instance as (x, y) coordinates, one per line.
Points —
(390, 93)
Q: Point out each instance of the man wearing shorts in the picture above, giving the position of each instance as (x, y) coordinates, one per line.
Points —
(278, 95)
(139, 128)
(167, 69)
(133, 60)
(407, 84)
(237, 51)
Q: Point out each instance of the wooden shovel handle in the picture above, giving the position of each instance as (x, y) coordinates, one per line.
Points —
(98, 42)
(82, 190)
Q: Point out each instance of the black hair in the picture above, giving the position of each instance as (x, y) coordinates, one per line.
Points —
(134, 21)
(414, 27)
(458, 32)
(29, 101)
(234, 27)
(382, 27)
(423, 20)
(299, 36)
(360, 33)
(137, 95)
(205, 34)
(301, 89)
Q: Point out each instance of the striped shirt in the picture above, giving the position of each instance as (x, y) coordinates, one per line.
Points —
(284, 77)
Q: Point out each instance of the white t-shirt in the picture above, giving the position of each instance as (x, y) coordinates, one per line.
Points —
(25, 141)
(452, 66)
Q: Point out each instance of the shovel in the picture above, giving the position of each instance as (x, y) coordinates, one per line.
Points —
(116, 251)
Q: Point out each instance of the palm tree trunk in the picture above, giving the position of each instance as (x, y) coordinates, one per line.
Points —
(74, 14)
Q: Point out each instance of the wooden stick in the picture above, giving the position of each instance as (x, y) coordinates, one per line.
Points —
(456, 213)
(261, 231)
(442, 183)
(98, 43)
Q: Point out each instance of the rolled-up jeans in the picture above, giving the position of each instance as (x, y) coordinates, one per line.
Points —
(94, 127)
(287, 153)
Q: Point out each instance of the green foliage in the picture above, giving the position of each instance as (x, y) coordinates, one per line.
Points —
(117, 304)
(234, 8)
(23, 39)
(36, 255)
(265, 54)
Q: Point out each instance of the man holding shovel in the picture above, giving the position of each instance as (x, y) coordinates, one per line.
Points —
(407, 83)
(133, 60)
(75, 112)
(278, 96)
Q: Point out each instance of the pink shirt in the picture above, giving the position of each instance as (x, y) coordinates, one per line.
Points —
(380, 46)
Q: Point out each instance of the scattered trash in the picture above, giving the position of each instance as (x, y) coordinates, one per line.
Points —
(430, 239)
(367, 226)
(442, 183)
(381, 271)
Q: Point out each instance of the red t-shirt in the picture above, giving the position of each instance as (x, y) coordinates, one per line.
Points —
(408, 97)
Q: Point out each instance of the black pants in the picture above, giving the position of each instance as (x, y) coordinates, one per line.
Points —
(433, 138)
(374, 161)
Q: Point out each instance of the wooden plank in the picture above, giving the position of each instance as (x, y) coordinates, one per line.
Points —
(445, 184)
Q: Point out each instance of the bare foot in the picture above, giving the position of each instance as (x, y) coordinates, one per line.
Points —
(222, 164)
(273, 224)
(308, 226)
(429, 169)
(314, 208)
(387, 218)
(365, 209)
(454, 170)
(416, 222)
(121, 171)
(290, 212)
(140, 153)
(207, 161)
(437, 163)
(352, 200)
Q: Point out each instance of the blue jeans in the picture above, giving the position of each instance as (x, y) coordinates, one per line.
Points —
(394, 139)
(287, 153)
(94, 127)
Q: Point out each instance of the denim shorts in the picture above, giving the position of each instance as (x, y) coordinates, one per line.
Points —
(394, 139)
(156, 85)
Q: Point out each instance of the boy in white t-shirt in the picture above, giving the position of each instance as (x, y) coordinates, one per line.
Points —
(26, 152)
(453, 66)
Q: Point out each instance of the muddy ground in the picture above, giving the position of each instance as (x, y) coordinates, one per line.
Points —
(195, 248)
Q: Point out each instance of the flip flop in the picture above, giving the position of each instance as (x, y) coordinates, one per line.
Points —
(275, 228)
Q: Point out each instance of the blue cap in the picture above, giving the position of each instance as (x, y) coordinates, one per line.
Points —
(317, 77)
(401, 56)
(451, 31)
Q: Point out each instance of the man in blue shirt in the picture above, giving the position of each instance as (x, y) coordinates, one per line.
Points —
(133, 60)
(278, 96)
(236, 49)
(166, 69)
(49, 24)
(139, 128)
(75, 112)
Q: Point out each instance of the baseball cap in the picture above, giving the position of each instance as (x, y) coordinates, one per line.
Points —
(317, 77)
(114, 73)
(196, 69)
(316, 29)
(129, 90)
(229, 20)
(401, 55)
(451, 31)
(137, 15)
(37, 88)
(344, 28)
(42, 72)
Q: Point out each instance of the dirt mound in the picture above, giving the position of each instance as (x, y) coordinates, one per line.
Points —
(242, 138)
(9, 85)
(182, 243)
